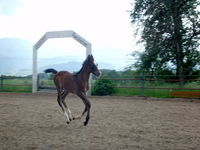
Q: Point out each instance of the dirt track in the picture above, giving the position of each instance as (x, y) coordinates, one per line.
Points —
(35, 122)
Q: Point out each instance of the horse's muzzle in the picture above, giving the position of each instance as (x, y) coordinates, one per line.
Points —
(97, 73)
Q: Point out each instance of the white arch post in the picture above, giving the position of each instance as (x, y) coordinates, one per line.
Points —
(57, 34)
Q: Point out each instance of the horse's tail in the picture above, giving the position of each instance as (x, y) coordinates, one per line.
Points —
(50, 71)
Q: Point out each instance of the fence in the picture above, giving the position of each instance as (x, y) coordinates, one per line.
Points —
(15, 84)
(160, 86)
(45, 82)
(155, 86)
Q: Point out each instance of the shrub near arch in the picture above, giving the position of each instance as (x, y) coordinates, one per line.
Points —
(103, 87)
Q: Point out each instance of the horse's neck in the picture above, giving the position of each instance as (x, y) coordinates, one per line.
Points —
(84, 75)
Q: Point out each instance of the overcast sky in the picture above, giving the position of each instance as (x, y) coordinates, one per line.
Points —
(104, 23)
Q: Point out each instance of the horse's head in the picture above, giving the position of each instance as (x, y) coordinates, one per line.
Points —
(92, 66)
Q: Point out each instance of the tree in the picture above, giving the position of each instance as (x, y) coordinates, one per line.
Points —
(170, 33)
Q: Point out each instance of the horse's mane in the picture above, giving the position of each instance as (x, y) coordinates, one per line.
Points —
(88, 59)
(83, 65)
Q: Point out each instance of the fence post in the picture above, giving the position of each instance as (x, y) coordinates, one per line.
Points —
(181, 82)
(38, 82)
(1, 82)
(142, 83)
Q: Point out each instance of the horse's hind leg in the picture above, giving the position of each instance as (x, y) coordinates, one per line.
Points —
(60, 99)
(84, 111)
(67, 110)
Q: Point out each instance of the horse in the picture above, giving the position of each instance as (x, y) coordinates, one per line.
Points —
(77, 84)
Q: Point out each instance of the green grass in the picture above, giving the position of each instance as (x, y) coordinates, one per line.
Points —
(160, 93)
(13, 88)
(19, 81)
(45, 82)
(16, 85)
(147, 92)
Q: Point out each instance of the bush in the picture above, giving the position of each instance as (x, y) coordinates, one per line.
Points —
(103, 87)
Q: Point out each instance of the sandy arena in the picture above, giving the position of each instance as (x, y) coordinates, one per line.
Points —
(36, 122)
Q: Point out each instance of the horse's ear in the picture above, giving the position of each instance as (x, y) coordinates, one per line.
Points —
(90, 57)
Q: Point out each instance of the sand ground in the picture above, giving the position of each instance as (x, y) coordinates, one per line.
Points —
(36, 122)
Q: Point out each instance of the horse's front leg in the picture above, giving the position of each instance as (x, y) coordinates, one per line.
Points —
(87, 106)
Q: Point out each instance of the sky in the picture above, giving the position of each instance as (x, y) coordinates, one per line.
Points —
(104, 23)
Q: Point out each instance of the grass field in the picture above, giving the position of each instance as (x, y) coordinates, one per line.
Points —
(146, 92)
(16, 85)
(157, 89)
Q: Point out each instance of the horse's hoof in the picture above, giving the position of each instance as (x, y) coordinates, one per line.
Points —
(85, 123)
(67, 122)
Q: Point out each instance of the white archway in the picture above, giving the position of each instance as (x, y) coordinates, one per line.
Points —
(56, 34)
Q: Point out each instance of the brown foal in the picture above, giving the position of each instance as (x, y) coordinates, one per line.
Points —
(77, 83)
